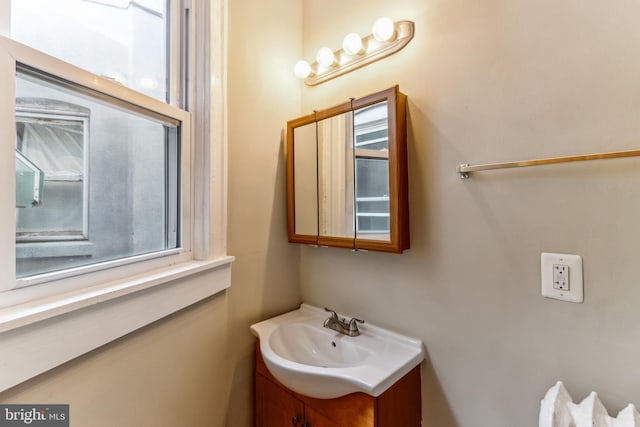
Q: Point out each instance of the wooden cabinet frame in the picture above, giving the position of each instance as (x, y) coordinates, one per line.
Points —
(397, 169)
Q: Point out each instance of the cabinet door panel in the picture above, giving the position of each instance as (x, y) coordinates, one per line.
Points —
(352, 410)
(274, 406)
(316, 419)
(305, 162)
(335, 176)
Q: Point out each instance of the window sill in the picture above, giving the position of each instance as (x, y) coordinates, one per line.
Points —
(42, 334)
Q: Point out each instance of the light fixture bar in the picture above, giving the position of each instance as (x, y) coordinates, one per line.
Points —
(373, 50)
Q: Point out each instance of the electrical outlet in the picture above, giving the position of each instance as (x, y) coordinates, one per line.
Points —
(561, 277)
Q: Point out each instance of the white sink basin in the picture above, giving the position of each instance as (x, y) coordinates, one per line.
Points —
(318, 362)
(310, 345)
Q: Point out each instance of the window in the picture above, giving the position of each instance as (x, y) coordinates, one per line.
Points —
(52, 136)
(372, 171)
(110, 169)
(126, 41)
(109, 206)
(110, 177)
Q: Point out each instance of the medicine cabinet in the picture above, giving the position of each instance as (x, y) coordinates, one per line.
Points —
(347, 175)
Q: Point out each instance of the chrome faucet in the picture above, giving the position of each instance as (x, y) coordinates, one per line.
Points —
(341, 324)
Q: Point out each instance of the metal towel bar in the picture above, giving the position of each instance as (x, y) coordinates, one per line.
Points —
(464, 169)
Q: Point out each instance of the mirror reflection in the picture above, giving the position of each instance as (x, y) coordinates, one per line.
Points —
(371, 133)
(305, 178)
(335, 178)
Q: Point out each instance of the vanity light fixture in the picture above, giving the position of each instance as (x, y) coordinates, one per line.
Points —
(386, 39)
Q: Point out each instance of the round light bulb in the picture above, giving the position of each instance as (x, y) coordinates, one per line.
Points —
(383, 30)
(325, 57)
(302, 69)
(352, 44)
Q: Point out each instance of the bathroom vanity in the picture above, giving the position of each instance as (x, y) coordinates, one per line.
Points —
(309, 374)
(277, 406)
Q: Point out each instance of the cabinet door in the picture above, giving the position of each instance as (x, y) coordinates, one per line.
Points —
(275, 407)
(352, 410)
(316, 419)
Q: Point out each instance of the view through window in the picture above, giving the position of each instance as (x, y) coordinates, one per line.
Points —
(123, 40)
(97, 179)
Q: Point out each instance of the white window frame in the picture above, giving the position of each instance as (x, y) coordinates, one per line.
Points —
(46, 325)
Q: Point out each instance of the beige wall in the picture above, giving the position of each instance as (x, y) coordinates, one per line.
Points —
(488, 81)
(170, 373)
(491, 81)
(195, 368)
(264, 40)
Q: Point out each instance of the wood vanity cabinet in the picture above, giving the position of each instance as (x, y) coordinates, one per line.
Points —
(277, 406)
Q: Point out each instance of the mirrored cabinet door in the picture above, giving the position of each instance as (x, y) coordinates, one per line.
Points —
(382, 197)
(303, 182)
(336, 177)
(371, 134)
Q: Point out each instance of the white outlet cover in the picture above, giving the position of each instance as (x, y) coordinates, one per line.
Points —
(576, 288)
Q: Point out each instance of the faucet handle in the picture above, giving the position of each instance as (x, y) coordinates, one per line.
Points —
(353, 324)
(334, 315)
